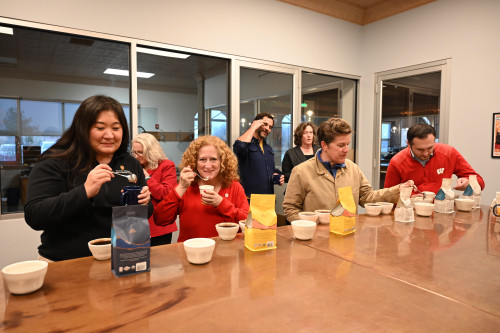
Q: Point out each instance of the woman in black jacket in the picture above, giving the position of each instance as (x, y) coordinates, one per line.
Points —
(71, 189)
(306, 145)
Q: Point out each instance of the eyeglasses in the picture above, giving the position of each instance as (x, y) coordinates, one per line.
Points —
(136, 153)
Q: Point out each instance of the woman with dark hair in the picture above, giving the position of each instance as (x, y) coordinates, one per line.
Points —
(306, 145)
(71, 189)
(207, 161)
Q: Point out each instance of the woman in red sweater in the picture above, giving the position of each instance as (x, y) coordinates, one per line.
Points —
(161, 177)
(210, 158)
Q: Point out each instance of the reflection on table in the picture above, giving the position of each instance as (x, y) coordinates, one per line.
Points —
(385, 277)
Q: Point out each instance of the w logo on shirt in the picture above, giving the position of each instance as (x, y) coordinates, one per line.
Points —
(440, 171)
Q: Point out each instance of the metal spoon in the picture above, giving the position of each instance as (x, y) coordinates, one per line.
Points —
(132, 178)
(423, 193)
(202, 178)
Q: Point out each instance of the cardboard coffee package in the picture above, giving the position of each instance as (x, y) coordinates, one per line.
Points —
(261, 224)
(404, 210)
(130, 240)
(444, 201)
(343, 215)
(473, 191)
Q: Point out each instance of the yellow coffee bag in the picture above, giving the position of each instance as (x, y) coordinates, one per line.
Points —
(261, 224)
(343, 215)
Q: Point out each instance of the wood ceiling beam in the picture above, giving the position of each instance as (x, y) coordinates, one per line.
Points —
(349, 10)
(335, 9)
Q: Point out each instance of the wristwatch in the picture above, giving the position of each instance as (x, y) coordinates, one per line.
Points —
(148, 177)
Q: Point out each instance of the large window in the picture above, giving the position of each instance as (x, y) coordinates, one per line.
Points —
(179, 96)
(270, 92)
(185, 98)
(44, 77)
(326, 96)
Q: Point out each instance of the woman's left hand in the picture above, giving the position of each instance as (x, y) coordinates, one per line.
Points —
(211, 198)
(144, 196)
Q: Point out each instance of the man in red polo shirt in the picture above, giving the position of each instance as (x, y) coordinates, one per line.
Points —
(427, 162)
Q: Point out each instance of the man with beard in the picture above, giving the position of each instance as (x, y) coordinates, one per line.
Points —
(256, 157)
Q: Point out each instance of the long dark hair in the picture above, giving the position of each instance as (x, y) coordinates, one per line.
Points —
(74, 145)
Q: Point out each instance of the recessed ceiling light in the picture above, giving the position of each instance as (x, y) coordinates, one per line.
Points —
(162, 53)
(124, 72)
(5, 30)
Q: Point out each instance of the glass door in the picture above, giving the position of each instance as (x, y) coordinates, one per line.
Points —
(407, 98)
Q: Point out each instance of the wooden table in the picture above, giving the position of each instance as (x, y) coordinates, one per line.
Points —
(386, 277)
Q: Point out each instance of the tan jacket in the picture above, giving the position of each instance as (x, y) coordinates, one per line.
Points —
(312, 186)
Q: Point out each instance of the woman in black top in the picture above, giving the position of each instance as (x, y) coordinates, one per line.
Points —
(71, 190)
(306, 141)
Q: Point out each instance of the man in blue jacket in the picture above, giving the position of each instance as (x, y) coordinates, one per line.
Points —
(256, 157)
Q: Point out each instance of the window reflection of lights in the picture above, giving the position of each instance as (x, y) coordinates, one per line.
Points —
(273, 96)
(123, 72)
(394, 129)
(309, 113)
(243, 102)
(162, 53)
(6, 30)
(311, 89)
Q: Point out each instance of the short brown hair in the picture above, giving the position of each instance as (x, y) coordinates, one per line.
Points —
(331, 128)
(299, 132)
(228, 162)
(420, 131)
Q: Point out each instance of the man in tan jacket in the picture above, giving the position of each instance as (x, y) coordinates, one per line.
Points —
(314, 184)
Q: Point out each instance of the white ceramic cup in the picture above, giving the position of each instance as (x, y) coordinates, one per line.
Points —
(373, 209)
(386, 207)
(424, 208)
(323, 216)
(199, 250)
(311, 216)
(204, 188)
(464, 204)
(25, 277)
(242, 224)
(303, 229)
(100, 248)
(227, 230)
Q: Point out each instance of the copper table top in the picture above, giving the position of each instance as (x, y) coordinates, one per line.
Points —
(383, 278)
(455, 255)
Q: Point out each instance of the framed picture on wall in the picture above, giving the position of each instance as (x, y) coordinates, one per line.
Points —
(495, 149)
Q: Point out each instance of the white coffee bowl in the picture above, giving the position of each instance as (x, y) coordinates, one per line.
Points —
(373, 209)
(242, 224)
(310, 216)
(100, 252)
(25, 277)
(464, 204)
(303, 229)
(424, 208)
(386, 207)
(199, 250)
(429, 196)
(227, 230)
(323, 216)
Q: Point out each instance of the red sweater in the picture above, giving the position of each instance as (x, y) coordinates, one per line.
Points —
(163, 180)
(198, 220)
(445, 162)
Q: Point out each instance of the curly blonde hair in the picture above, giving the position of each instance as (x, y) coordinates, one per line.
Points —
(228, 162)
(151, 149)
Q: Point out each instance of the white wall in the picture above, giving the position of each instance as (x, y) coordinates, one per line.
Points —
(465, 31)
